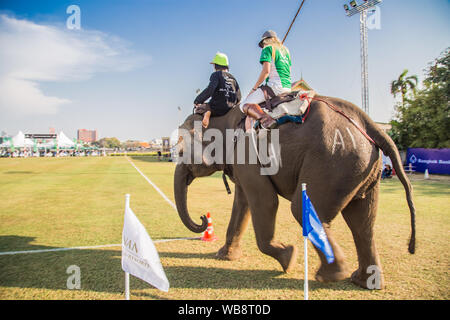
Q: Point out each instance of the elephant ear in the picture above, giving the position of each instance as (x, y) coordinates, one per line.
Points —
(213, 147)
(188, 124)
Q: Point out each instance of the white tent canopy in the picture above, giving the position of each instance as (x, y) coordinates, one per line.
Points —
(19, 141)
(64, 142)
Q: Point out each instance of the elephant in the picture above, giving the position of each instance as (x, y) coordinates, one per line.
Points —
(340, 166)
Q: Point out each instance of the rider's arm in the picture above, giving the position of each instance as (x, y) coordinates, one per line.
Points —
(263, 75)
(208, 92)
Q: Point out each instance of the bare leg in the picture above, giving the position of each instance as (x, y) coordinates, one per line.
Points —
(205, 121)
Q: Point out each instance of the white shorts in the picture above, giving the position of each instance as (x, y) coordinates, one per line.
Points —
(258, 97)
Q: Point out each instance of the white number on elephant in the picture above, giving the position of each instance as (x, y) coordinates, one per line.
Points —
(338, 141)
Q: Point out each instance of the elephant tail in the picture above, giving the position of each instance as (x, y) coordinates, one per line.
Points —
(390, 149)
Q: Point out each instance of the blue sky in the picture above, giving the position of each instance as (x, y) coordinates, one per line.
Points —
(134, 62)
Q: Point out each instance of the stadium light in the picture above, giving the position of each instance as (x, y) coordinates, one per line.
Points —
(362, 10)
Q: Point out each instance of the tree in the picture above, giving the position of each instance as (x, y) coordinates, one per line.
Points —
(439, 73)
(404, 84)
(131, 144)
(110, 143)
(424, 120)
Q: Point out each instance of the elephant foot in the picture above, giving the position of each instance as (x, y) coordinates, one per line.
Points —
(368, 281)
(332, 272)
(288, 258)
(229, 253)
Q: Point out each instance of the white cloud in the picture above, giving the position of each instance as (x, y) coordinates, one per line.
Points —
(31, 53)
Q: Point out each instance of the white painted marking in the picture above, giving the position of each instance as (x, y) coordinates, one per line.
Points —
(86, 247)
(351, 136)
(335, 142)
(153, 185)
(58, 249)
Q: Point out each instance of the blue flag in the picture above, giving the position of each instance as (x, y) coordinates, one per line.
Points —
(312, 228)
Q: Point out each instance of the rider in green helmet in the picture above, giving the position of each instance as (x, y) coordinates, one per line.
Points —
(223, 90)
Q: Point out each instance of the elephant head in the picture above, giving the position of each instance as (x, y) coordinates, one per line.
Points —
(190, 167)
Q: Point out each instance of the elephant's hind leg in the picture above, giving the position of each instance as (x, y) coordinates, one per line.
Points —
(360, 217)
(337, 270)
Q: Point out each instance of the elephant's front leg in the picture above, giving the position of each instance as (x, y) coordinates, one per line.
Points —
(263, 202)
(240, 217)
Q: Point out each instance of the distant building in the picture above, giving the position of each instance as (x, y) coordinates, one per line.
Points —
(300, 85)
(156, 143)
(41, 137)
(87, 135)
(165, 144)
(144, 145)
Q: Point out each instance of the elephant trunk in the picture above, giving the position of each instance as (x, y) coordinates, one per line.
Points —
(181, 181)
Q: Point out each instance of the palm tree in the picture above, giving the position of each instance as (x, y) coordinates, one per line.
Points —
(403, 84)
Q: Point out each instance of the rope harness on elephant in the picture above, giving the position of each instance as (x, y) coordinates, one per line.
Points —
(301, 119)
(336, 109)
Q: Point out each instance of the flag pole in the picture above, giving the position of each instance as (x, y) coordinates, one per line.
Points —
(127, 275)
(127, 286)
(305, 286)
(305, 254)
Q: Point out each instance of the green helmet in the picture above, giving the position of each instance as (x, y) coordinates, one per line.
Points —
(220, 59)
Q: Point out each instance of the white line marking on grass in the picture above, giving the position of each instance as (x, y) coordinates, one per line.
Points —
(58, 249)
(175, 239)
(153, 185)
(86, 247)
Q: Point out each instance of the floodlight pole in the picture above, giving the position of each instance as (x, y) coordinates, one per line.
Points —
(362, 10)
(364, 64)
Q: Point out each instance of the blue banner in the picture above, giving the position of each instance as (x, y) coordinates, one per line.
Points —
(437, 161)
(312, 228)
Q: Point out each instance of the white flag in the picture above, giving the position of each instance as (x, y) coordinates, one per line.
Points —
(139, 255)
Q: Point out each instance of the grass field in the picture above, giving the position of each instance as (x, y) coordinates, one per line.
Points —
(53, 203)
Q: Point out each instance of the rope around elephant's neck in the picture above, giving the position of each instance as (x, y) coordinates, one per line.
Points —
(336, 109)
